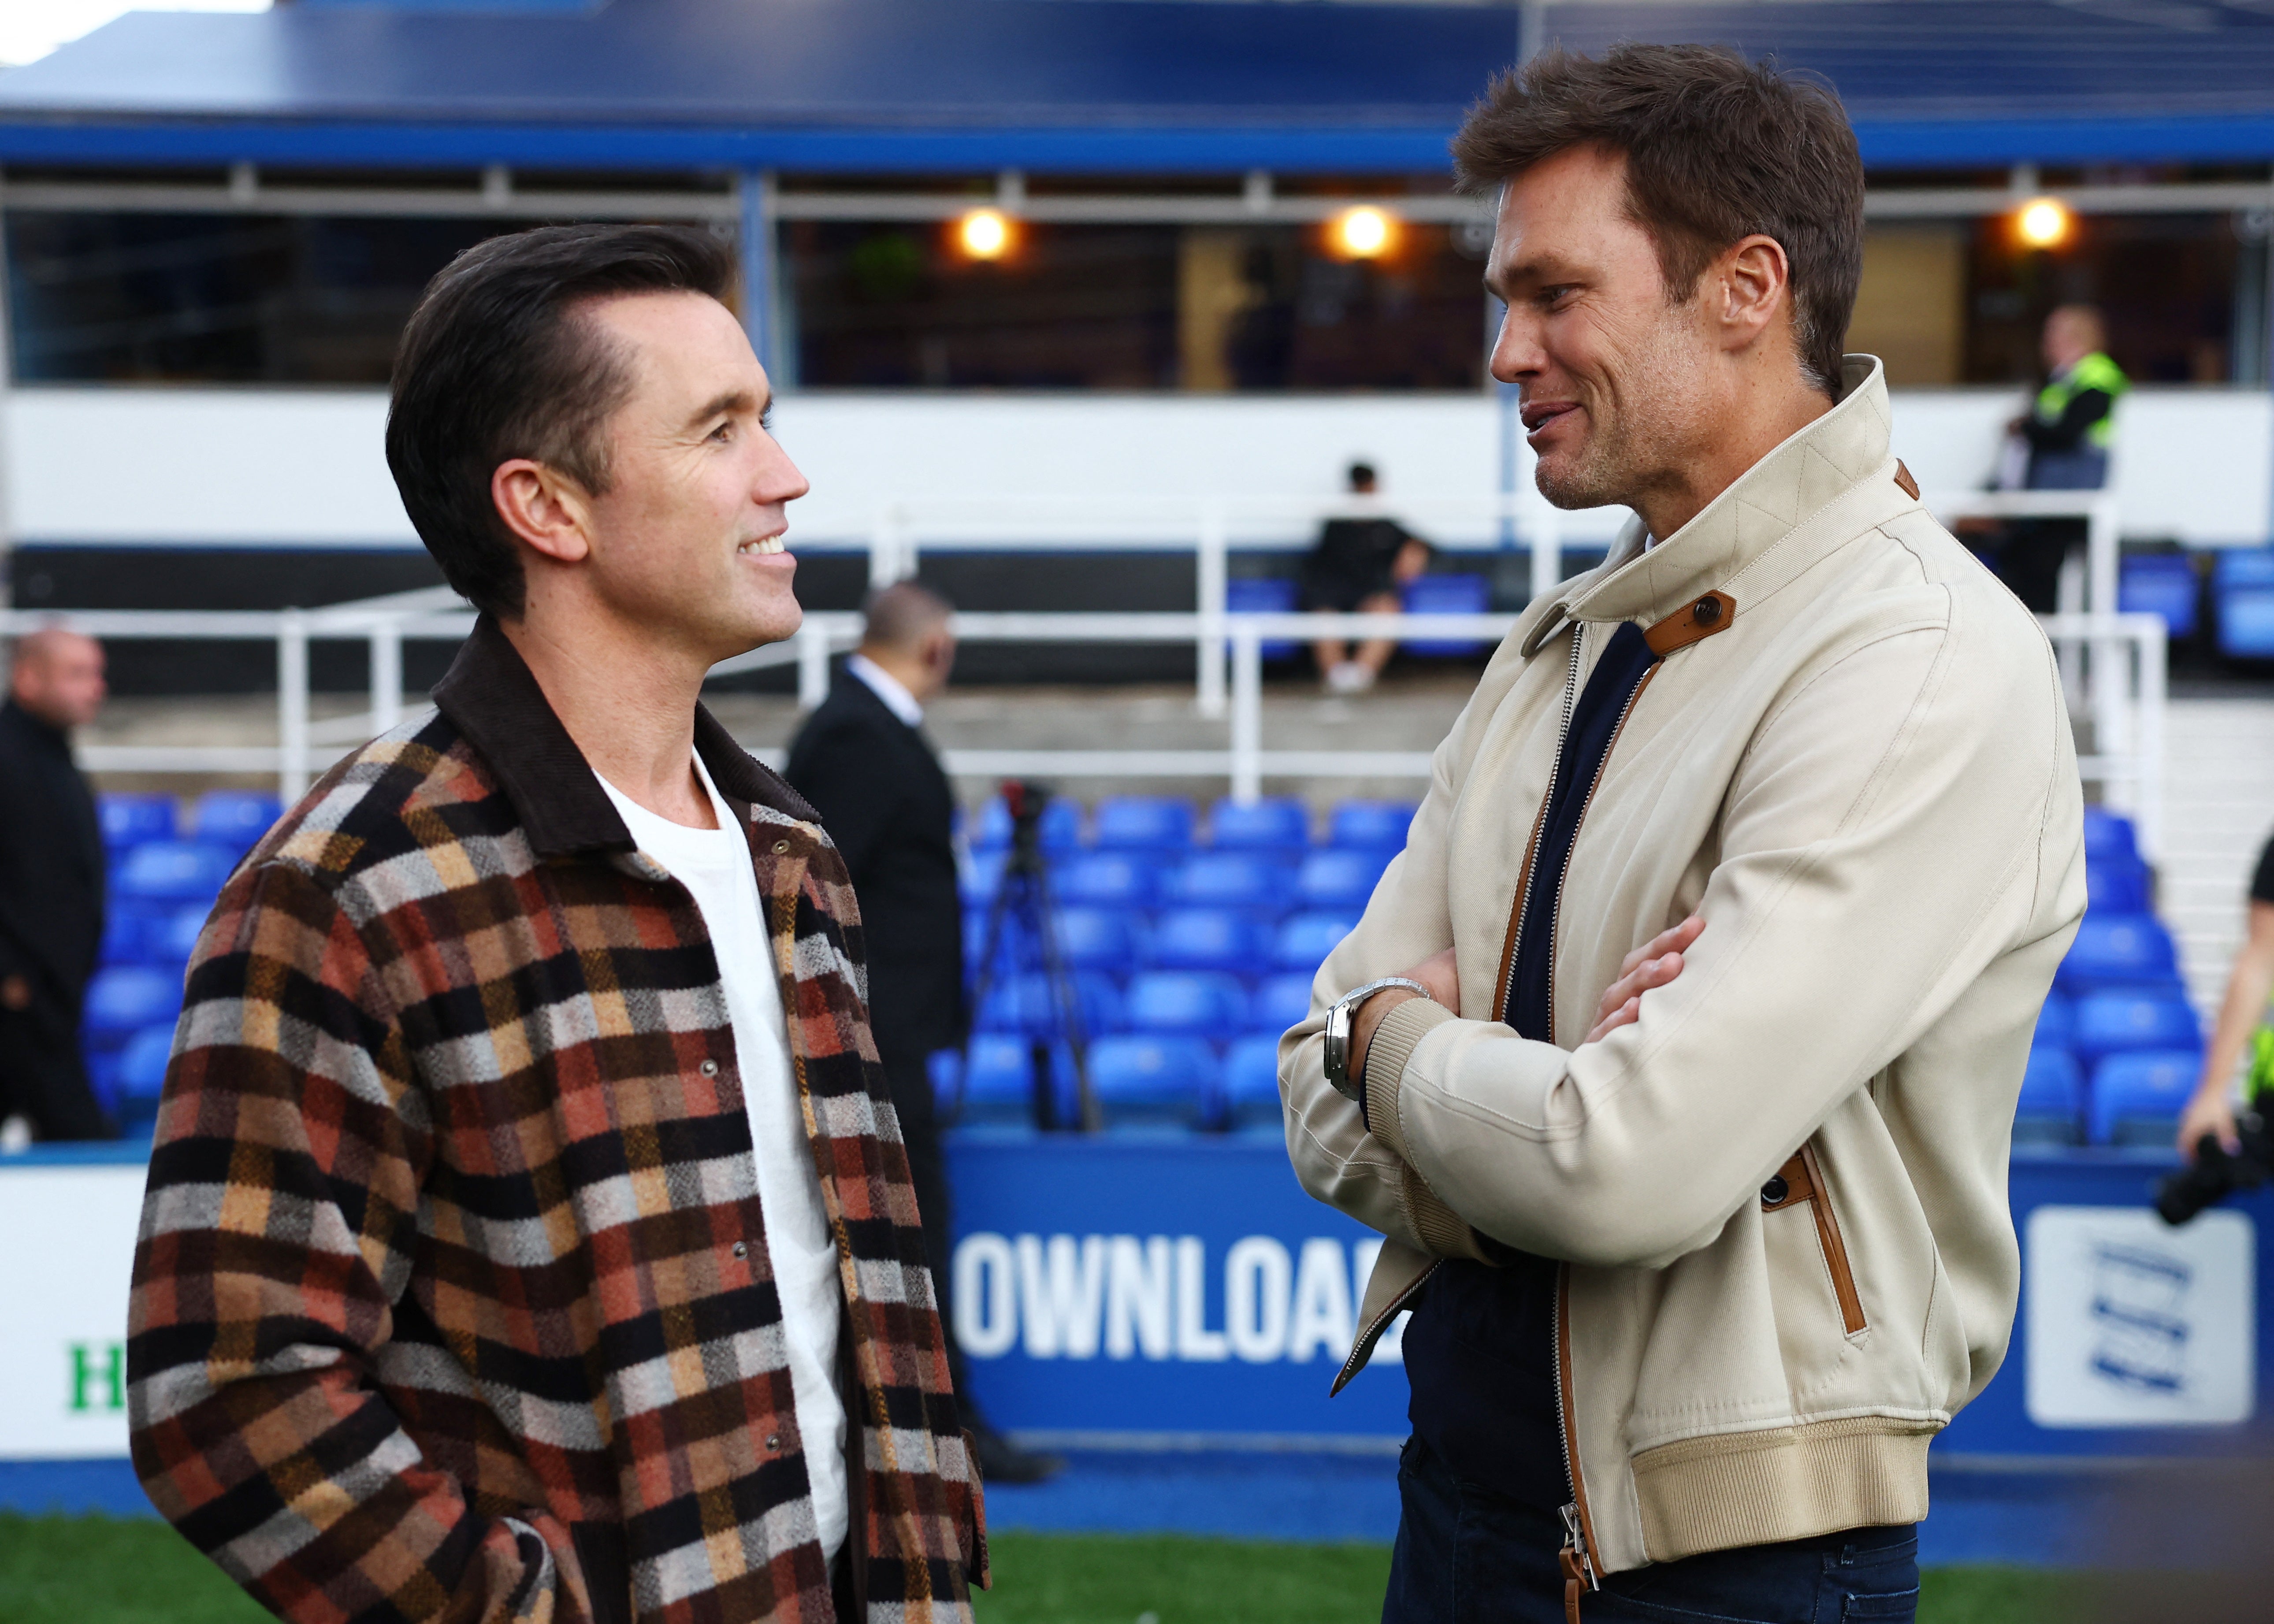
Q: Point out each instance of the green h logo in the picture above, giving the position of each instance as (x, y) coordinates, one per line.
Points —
(98, 1376)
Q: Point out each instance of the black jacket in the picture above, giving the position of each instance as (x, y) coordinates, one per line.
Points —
(886, 803)
(50, 862)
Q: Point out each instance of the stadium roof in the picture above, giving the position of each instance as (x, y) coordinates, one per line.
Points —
(1155, 85)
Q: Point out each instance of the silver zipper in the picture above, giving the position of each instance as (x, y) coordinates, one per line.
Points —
(1362, 1344)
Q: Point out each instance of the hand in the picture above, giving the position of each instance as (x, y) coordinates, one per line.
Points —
(2212, 1112)
(1653, 964)
(15, 993)
(1437, 973)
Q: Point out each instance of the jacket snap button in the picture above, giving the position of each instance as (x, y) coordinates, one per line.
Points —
(774, 1441)
(710, 1068)
(1775, 1191)
(781, 848)
(1707, 611)
(742, 1249)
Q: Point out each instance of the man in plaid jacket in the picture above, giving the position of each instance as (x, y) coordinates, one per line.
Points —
(529, 1235)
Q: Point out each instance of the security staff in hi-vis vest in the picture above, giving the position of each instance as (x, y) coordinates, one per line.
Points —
(2067, 436)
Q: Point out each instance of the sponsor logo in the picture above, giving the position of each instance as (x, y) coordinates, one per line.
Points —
(1160, 1297)
(97, 1376)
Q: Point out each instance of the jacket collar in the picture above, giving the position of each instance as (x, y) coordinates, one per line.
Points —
(1842, 448)
(491, 696)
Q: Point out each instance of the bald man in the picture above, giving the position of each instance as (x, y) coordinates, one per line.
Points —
(863, 760)
(50, 890)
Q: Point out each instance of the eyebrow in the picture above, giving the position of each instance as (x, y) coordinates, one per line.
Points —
(734, 400)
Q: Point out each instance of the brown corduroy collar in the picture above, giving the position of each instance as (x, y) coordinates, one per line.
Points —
(490, 694)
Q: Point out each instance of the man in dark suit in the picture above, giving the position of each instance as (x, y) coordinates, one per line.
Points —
(50, 890)
(863, 762)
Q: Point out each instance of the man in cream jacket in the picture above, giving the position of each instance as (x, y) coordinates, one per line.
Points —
(1724, 925)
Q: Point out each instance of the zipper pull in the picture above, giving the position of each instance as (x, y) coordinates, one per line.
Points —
(1579, 1567)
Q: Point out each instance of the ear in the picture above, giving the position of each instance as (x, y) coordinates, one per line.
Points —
(547, 510)
(1755, 282)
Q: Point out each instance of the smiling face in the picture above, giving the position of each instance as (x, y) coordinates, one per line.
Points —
(689, 540)
(1617, 381)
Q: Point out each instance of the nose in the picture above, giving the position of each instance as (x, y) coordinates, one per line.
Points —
(1516, 353)
(778, 480)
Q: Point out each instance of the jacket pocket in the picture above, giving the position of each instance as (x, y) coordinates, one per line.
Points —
(607, 1561)
(1800, 1179)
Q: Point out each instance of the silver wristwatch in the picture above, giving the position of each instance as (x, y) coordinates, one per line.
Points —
(1339, 1017)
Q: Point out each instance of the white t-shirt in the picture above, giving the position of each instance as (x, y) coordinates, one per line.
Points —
(714, 864)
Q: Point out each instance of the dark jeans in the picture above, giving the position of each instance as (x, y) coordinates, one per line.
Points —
(1465, 1555)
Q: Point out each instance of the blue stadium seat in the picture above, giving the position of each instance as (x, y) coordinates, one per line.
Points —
(1249, 880)
(2120, 949)
(1251, 1084)
(1448, 595)
(1340, 880)
(2056, 1022)
(1280, 1002)
(2052, 1109)
(2108, 835)
(1304, 941)
(1061, 826)
(129, 820)
(994, 1085)
(172, 939)
(2137, 1098)
(2246, 623)
(2109, 1023)
(1023, 1004)
(1104, 880)
(1370, 825)
(174, 870)
(234, 818)
(1187, 1002)
(1097, 939)
(1277, 824)
(2163, 584)
(2115, 886)
(1147, 1080)
(2243, 566)
(1160, 824)
(124, 998)
(982, 873)
(1264, 595)
(1209, 939)
(141, 1074)
(125, 932)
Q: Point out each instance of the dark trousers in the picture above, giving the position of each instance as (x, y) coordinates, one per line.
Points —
(42, 1079)
(909, 1079)
(1465, 1555)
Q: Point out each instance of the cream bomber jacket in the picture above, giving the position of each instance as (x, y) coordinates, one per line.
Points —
(1780, 1195)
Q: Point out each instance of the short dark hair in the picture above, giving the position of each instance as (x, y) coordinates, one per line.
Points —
(1360, 473)
(1717, 148)
(898, 615)
(497, 362)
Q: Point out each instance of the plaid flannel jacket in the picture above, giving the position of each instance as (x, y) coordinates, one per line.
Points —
(452, 1298)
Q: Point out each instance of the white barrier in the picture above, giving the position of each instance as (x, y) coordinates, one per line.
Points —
(2119, 662)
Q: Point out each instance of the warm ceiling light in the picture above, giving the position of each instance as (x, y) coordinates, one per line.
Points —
(2043, 223)
(1364, 233)
(983, 234)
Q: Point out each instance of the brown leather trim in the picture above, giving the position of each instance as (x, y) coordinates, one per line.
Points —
(1835, 1249)
(1571, 1425)
(1693, 623)
(1803, 1181)
(1516, 907)
(1903, 478)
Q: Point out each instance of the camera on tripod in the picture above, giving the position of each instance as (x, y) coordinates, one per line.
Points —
(2215, 1173)
(1023, 924)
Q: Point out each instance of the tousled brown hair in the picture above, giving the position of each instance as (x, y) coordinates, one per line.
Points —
(1717, 148)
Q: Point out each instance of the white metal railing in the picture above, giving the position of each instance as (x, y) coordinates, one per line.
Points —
(2124, 692)
(901, 531)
